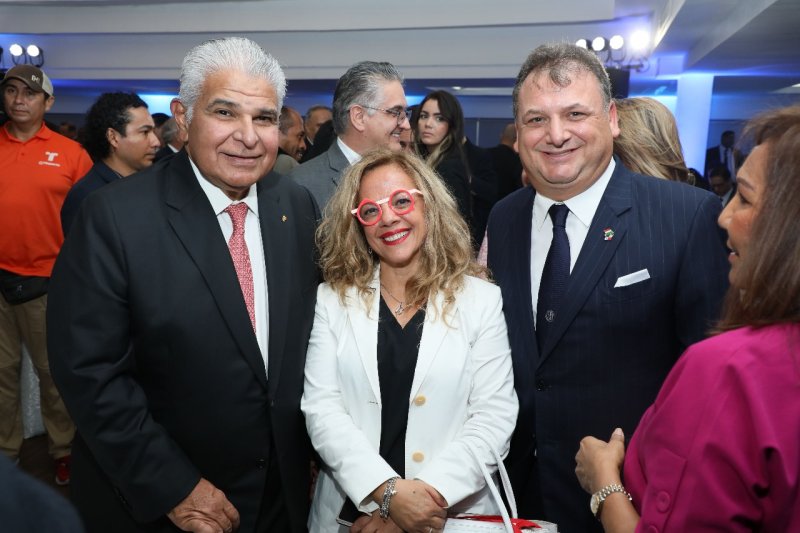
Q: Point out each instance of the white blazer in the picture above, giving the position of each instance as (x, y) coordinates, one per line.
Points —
(463, 391)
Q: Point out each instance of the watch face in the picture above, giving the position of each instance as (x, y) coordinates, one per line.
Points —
(594, 503)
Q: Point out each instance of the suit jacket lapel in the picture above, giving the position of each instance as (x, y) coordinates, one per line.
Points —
(338, 162)
(276, 220)
(194, 222)
(434, 333)
(520, 242)
(365, 332)
(596, 252)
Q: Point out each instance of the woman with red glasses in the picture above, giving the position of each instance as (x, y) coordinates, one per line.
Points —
(408, 381)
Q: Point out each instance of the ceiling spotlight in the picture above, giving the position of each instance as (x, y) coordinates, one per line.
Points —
(33, 50)
(583, 43)
(616, 42)
(599, 44)
(640, 41)
(15, 50)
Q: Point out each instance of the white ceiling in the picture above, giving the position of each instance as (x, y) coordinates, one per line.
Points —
(112, 44)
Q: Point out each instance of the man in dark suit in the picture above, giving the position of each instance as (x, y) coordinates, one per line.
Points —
(316, 116)
(506, 162)
(720, 180)
(643, 276)
(179, 354)
(724, 154)
(369, 111)
(120, 137)
(172, 141)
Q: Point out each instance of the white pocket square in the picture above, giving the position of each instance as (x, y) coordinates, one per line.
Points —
(630, 279)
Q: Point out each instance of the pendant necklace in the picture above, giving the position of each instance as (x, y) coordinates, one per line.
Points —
(401, 305)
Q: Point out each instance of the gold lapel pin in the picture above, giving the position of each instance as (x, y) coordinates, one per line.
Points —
(283, 218)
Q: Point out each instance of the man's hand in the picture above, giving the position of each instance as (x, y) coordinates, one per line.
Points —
(205, 510)
(598, 462)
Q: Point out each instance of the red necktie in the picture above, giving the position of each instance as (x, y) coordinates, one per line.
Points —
(241, 257)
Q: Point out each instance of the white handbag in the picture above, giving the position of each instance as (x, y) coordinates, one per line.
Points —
(505, 523)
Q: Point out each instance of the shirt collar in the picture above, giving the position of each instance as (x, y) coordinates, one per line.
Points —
(583, 206)
(352, 156)
(43, 133)
(219, 200)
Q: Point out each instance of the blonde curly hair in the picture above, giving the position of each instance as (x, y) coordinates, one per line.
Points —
(446, 255)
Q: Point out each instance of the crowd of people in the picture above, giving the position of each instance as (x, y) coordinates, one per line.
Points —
(263, 321)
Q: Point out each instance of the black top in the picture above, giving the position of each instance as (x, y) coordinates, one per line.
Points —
(398, 348)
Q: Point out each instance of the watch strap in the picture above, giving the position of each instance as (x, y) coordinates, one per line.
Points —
(607, 491)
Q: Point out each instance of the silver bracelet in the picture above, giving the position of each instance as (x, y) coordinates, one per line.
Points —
(388, 492)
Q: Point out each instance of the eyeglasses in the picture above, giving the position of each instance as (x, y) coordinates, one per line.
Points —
(401, 202)
(399, 113)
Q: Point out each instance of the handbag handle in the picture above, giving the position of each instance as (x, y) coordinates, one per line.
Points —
(504, 513)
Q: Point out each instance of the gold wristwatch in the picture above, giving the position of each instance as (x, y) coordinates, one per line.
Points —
(596, 503)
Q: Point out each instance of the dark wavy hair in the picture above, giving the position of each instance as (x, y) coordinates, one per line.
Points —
(109, 111)
(451, 111)
(768, 289)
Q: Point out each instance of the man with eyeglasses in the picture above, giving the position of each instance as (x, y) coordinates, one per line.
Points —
(369, 111)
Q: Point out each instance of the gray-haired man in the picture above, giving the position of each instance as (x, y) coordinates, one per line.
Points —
(181, 308)
(369, 111)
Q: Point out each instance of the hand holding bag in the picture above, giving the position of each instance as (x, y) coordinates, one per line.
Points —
(504, 523)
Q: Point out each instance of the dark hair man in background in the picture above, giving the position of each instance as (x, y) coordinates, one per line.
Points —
(173, 143)
(291, 143)
(720, 180)
(120, 137)
(316, 116)
(725, 154)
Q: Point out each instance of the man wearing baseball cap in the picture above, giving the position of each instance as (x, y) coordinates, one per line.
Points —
(39, 167)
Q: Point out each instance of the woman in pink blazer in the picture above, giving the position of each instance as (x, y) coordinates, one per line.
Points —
(719, 450)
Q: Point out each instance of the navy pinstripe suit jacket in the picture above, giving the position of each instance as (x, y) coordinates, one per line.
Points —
(610, 348)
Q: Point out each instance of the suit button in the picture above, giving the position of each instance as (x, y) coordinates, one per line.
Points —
(541, 385)
(418, 457)
(419, 400)
(261, 463)
(662, 501)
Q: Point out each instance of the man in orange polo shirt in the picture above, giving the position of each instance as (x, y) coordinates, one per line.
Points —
(38, 168)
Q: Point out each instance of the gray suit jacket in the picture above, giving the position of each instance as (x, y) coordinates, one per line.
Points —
(321, 174)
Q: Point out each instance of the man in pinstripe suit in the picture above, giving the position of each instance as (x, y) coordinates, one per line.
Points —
(647, 273)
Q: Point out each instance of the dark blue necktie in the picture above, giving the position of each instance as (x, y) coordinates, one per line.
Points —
(554, 275)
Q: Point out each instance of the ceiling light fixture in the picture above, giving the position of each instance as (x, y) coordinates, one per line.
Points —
(620, 53)
(30, 55)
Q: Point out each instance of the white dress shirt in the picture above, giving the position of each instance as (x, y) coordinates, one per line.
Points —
(352, 156)
(255, 247)
(581, 212)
